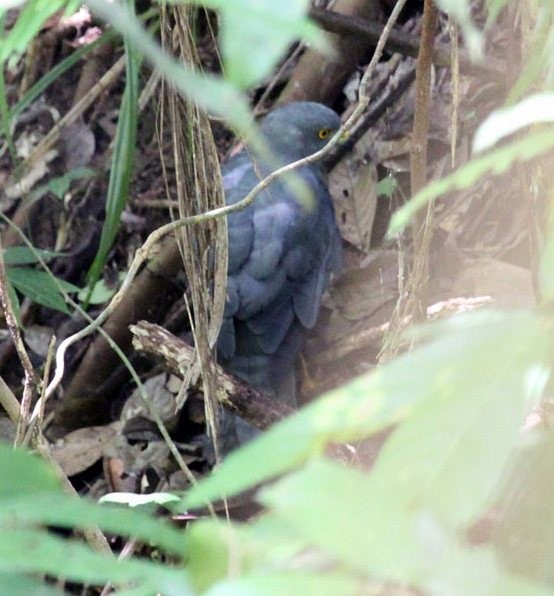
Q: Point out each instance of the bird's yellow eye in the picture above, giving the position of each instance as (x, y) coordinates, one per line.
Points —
(323, 133)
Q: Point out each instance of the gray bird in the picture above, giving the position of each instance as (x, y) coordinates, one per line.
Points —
(282, 251)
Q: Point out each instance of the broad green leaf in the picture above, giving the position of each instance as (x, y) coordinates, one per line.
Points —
(388, 395)
(538, 108)
(68, 512)
(254, 35)
(101, 292)
(215, 547)
(212, 547)
(340, 511)
(40, 287)
(495, 162)
(448, 455)
(524, 534)
(362, 407)
(363, 524)
(212, 93)
(24, 474)
(13, 583)
(24, 255)
(38, 551)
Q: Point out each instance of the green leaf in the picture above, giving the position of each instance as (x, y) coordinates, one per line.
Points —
(362, 407)
(60, 185)
(362, 524)
(342, 512)
(40, 287)
(13, 583)
(496, 162)
(432, 372)
(68, 512)
(524, 535)
(24, 255)
(538, 108)
(37, 551)
(16, 305)
(387, 186)
(212, 93)
(22, 474)
(101, 292)
(462, 434)
(254, 35)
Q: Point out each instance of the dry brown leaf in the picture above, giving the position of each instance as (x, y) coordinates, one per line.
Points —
(80, 449)
(353, 186)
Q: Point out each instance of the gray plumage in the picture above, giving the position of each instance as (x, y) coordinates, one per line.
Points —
(282, 251)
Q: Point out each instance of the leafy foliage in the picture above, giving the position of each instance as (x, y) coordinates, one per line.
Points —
(39, 286)
(30, 493)
(457, 403)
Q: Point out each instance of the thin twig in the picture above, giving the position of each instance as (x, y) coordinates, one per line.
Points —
(30, 378)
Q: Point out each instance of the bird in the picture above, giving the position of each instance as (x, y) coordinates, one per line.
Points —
(284, 249)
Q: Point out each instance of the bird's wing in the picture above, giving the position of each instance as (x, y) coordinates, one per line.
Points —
(280, 258)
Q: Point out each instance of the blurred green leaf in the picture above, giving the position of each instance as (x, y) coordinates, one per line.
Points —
(101, 292)
(254, 35)
(538, 108)
(341, 511)
(524, 534)
(212, 93)
(37, 551)
(65, 511)
(432, 372)
(24, 474)
(60, 185)
(386, 186)
(463, 433)
(12, 583)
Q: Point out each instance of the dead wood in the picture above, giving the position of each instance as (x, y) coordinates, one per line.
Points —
(368, 31)
(235, 395)
(318, 78)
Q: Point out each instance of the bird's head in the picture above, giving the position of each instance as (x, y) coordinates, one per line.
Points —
(298, 129)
